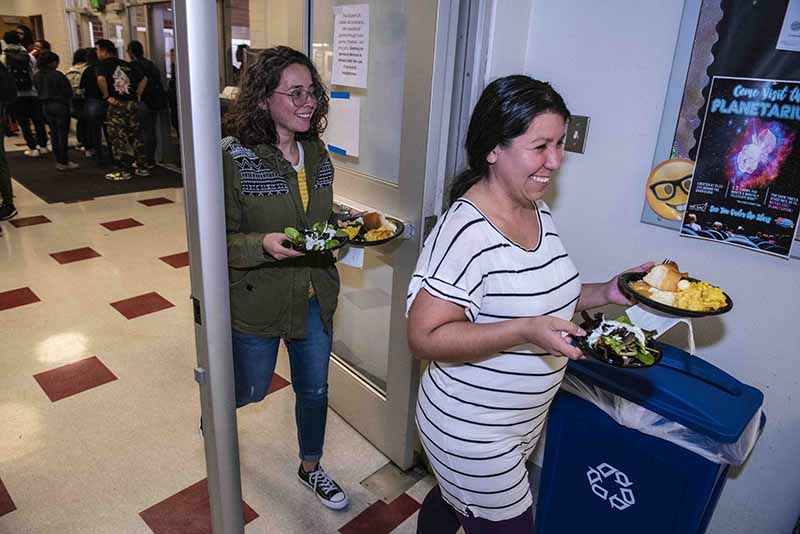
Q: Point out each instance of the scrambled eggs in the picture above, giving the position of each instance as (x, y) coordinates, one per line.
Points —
(700, 296)
(383, 232)
(352, 231)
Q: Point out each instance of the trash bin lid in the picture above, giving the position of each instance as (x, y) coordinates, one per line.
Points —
(682, 388)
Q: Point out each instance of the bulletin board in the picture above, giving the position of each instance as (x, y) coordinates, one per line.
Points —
(716, 38)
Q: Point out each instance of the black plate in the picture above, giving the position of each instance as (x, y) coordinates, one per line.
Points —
(290, 244)
(613, 359)
(626, 279)
(400, 228)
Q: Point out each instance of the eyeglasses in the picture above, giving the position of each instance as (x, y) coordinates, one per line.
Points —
(300, 96)
(666, 190)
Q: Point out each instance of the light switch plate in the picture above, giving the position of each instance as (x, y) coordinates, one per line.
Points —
(576, 134)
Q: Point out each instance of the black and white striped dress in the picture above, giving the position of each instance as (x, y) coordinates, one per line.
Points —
(480, 421)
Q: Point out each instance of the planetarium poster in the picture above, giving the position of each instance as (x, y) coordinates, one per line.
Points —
(745, 190)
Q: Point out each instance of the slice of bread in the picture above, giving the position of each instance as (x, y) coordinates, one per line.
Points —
(664, 277)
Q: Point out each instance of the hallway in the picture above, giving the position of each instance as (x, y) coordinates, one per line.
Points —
(98, 403)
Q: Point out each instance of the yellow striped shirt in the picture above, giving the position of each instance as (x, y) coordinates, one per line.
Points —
(301, 183)
(303, 186)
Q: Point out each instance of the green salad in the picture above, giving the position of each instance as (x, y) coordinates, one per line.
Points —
(318, 238)
(619, 337)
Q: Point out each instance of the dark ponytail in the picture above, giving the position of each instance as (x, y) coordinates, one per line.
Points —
(461, 184)
(504, 111)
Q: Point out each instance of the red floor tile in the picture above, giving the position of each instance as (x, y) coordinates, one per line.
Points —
(149, 202)
(74, 378)
(142, 305)
(6, 504)
(382, 518)
(278, 382)
(121, 224)
(19, 222)
(17, 297)
(78, 254)
(177, 260)
(186, 512)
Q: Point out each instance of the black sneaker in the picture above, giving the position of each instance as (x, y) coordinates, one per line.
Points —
(7, 211)
(324, 486)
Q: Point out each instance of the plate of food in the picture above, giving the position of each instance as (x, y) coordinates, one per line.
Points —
(320, 238)
(665, 288)
(617, 342)
(370, 229)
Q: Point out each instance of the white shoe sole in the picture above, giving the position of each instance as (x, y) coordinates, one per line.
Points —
(331, 505)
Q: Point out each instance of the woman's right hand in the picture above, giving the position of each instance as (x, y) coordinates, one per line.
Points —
(273, 245)
(552, 334)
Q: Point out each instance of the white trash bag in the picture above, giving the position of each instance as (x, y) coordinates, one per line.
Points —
(631, 415)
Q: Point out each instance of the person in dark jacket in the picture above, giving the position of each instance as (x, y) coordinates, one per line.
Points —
(277, 174)
(147, 115)
(8, 92)
(25, 109)
(55, 95)
(94, 108)
(74, 76)
(122, 85)
(25, 37)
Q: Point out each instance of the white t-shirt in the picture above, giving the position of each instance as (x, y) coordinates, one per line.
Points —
(479, 421)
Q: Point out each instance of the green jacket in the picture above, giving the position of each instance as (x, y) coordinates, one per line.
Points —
(270, 297)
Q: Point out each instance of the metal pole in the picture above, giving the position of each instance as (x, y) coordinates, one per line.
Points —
(198, 94)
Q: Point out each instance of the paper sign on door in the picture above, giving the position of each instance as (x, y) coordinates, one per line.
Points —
(350, 45)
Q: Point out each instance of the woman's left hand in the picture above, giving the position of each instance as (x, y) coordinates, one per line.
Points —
(614, 295)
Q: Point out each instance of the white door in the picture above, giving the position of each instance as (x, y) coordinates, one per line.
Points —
(373, 377)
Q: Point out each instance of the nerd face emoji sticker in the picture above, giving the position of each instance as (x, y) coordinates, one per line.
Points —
(668, 188)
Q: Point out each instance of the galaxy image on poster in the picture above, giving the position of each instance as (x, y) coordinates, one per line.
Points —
(745, 190)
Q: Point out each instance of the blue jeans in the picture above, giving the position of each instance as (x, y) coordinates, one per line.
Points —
(94, 113)
(254, 359)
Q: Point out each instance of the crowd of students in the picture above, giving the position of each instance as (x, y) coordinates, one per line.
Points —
(109, 98)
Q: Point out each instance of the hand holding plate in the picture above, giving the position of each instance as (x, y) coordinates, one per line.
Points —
(612, 290)
(273, 245)
(553, 335)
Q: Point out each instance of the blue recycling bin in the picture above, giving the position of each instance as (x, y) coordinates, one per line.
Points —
(599, 476)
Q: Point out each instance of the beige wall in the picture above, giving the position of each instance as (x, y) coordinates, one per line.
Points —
(276, 22)
(54, 20)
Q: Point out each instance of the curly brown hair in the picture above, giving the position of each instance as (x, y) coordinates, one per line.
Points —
(248, 121)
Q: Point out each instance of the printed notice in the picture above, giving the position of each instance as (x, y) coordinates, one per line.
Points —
(350, 45)
(789, 39)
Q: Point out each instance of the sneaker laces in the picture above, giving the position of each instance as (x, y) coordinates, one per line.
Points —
(320, 480)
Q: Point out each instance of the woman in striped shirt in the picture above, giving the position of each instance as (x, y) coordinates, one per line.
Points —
(493, 319)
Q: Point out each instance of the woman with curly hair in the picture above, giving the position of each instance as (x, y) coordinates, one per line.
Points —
(277, 174)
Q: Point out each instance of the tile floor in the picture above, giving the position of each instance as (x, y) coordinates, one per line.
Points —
(98, 404)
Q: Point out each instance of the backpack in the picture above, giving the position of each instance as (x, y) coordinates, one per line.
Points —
(19, 65)
(154, 96)
(8, 87)
(74, 75)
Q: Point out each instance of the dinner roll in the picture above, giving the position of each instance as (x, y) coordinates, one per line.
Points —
(373, 220)
(664, 277)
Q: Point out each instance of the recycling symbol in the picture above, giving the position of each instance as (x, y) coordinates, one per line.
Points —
(611, 485)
